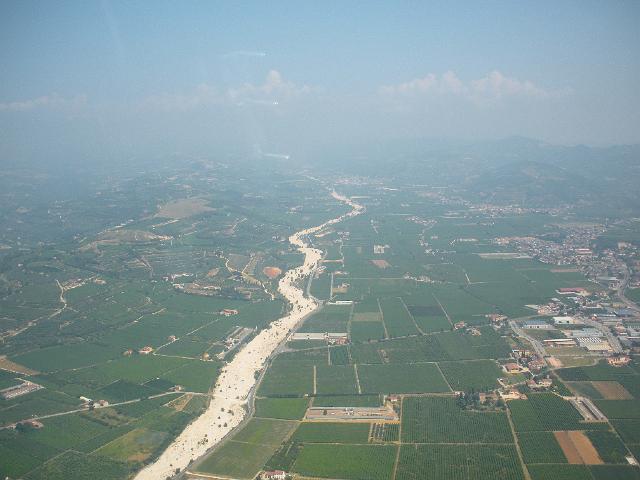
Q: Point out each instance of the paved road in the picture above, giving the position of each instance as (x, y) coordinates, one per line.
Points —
(536, 344)
(622, 287)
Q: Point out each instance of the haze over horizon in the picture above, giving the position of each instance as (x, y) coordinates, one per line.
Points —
(120, 78)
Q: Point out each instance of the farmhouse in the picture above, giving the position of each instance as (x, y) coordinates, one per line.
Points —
(459, 325)
(540, 384)
(337, 338)
(536, 365)
(512, 395)
(379, 249)
(31, 423)
(520, 352)
(513, 368)
(486, 397)
(145, 350)
(574, 290)
(274, 475)
(496, 317)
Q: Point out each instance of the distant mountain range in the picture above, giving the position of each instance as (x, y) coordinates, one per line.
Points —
(597, 180)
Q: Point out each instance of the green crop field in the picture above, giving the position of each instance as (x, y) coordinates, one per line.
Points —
(432, 323)
(249, 449)
(195, 235)
(236, 459)
(396, 317)
(136, 445)
(609, 446)
(412, 378)
(619, 408)
(335, 379)
(441, 420)
(339, 355)
(452, 462)
(619, 472)
(77, 466)
(628, 429)
(546, 412)
(332, 318)
(476, 375)
(559, 472)
(348, 401)
(287, 378)
(284, 408)
(540, 447)
(366, 331)
(265, 431)
(349, 462)
(310, 432)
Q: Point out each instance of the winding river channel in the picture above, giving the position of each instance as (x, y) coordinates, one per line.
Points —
(238, 378)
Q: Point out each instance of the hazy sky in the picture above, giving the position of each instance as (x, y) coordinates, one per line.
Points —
(169, 75)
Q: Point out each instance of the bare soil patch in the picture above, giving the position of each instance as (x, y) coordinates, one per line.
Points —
(577, 448)
(568, 448)
(179, 403)
(554, 362)
(586, 449)
(612, 391)
(340, 289)
(272, 272)
(382, 264)
(183, 208)
(6, 364)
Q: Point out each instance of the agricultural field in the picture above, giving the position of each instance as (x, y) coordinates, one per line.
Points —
(182, 272)
(287, 379)
(284, 408)
(471, 375)
(349, 462)
(154, 269)
(483, 462)
(540, 447)
(546, 412)
(309, 432)
(440, 420)
(245, 454)
(395, 378)
(396, 317)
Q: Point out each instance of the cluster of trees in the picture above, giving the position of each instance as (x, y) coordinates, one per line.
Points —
(470, 400)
